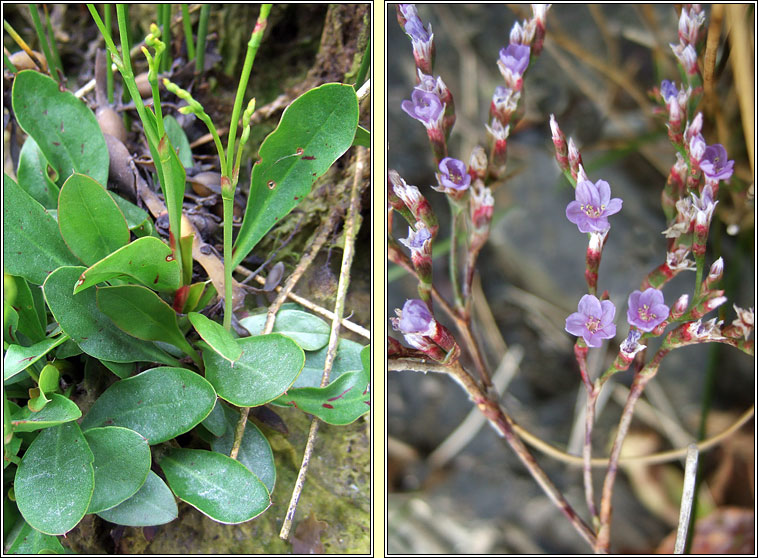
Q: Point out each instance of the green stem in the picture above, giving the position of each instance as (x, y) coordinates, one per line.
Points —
(202, 31)
(8, 64)
(52, 42)
(455, 211)
(108, 67)
(228, 293)
(700, 263)
(252, 49)
(42, 38)
(188, 32)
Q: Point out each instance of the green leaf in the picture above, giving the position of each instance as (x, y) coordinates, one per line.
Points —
(25, 539)
(315, 130)
(179, 140)
(48, 382)
(142, 314)
(32, 175)
(362, 137)
(216, 336)
(309, 331)
(122, 461)
(217, 485)
(55, 480)
(18, 358)
(341, 402)
(153, 504)
(137, 218)
(254, 452)
(159, 403)
(215, 422)
(25, 304)
(120, 369)
(173, 181)
(347, 359)
(60, 410)
(64, 128)
(79, 317)
(10, 322)
(267, 368)
(32, 243)
(91, 223)
(147, 260)
(194, 296)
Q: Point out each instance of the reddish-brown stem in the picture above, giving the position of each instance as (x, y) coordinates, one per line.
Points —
(499, 419)
(641, 379)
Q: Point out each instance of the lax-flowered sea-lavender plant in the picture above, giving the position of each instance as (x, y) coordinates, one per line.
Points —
(689, 198)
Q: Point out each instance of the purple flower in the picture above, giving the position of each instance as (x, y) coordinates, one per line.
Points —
(646, 309)
(453, 174)
(415, 30)
(515, 57)
(416, 239)
(425, 107)
(714, 163)
(594, 320)
(415, 317)
(592, 206)
(668, 90)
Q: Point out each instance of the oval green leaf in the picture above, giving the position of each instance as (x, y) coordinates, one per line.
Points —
(147, 260)
(55, 480)
(32, 243)
(341, 402)
(25, 539)
(153, 504)
(159, 403)
(215, 422)
(142, 313)
(64, 128)
(31, 322)
(122, 461)
(79, 317)
(220, 487)
(267, 368)
(58, 411)
(90, 222)
(179, 140)
(32, 175)
(347, 359)
(307, 330)
(254, 452)
(315, 130)
(18, 358)
(216, 336)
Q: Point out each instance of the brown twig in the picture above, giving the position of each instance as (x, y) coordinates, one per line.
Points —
(504, 425)
(350, 232)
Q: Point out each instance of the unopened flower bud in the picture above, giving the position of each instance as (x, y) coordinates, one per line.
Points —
(477, 166)
(716, 271)
(687, 57)
(680, 307)
(574, 157)
(559, 141)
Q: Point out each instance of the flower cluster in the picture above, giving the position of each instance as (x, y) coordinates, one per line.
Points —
(691, 22)
(422, 332)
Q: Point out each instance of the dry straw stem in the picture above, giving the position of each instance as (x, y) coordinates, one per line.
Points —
(742, 49)
(350, 232)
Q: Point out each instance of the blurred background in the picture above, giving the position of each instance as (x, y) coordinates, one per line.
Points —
(598, 65)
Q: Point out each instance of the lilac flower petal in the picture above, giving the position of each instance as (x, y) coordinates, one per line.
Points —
(575, 324)
(604, 191)
(415, 318)
(614, 206)
(589, 305)
(609, 312)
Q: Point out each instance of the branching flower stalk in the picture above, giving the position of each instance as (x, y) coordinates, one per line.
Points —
(688, 199)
